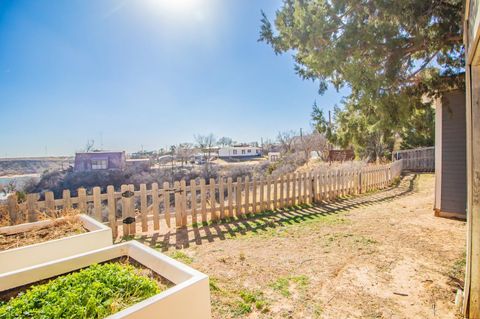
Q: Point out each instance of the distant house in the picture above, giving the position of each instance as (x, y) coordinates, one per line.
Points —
(239, 152)
(273, 156)
(102, 160)
(341, 155)
(138, 162)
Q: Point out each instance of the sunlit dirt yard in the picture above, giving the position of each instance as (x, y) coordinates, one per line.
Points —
(381, 255)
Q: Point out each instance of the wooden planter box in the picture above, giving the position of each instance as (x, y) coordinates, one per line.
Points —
(98, 236)
(188, 298)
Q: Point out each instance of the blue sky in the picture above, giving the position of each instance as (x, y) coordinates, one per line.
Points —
(128, 73)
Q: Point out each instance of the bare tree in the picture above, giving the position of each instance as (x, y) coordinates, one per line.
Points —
(184, 151)
(224, 141)
(314, 142)
(205, 143)
(268, 146)
(286, 140)
(89, 145)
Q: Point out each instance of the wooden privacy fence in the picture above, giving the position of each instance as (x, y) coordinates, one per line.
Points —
(417, 159)
(131, 210)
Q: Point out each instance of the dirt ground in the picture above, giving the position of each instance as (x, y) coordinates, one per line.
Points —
(381, 255)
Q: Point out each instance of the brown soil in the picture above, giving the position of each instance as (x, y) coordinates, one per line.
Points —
(68, 226)
(382, 255)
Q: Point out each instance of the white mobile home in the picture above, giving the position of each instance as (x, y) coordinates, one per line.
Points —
(239, 152)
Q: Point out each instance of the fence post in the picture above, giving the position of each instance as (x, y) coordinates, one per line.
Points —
(305, 188)
(31, 207)
(238, 199)
(269, 193)
(155, 207)
(178, 204)
(12, 208)
(49, 203)
(275, 193)
(213, 201)
(131, 210)
(143, 206)
(82, 200)
(247, 194)
(112, 216)
(221, 197)
(230, 197)
(294, 189)
(282, 192)
(67, 202)
(193, 200)
(183, 197)
(287, 195)
(97, 204)
(166, 202)
(262, 195)
(254, 195)
(203, 200)
(360, 181)
(125, 209)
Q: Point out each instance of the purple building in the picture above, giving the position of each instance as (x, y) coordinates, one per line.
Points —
(102, 160)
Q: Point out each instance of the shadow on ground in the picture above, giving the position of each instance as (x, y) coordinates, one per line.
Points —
(266, 221)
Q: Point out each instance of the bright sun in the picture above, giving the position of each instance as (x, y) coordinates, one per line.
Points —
(178, 6)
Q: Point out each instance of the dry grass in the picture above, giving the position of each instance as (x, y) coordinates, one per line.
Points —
(68, 226)
(40, 215)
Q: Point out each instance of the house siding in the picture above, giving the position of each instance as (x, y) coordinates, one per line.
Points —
(83, 161)
(225, 152)
(453, 144)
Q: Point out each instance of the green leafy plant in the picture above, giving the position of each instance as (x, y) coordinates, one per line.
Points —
(94, 292)
(249, 300)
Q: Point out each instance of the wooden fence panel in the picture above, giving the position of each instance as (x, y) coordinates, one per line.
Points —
(262, 194)
(221, 197)
(31, 207)
(247, 195)
(166, 202)
(112, 209)
(125, 208)
(82, 200)
(230, 196)
(143, 207)
(183, 202)
(294, 189)
(178, 204)
(97, 203)
(213, 201)
(254, 195)
(155, 207)
(131, 210)
(243, 197)
(193, 200)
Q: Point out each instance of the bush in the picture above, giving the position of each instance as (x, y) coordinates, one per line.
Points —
(95, 292)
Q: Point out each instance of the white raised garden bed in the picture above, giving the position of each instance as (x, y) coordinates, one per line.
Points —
(97, 236)
(188, 298)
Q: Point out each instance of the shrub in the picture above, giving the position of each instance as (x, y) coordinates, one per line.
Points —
(94, 292)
